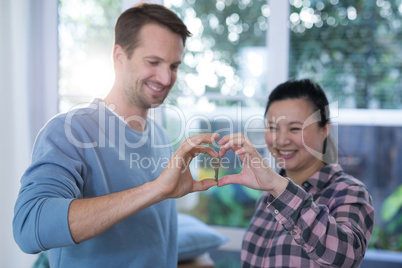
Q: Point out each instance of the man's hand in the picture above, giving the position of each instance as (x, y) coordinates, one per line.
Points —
(176, 180)
(89, 217)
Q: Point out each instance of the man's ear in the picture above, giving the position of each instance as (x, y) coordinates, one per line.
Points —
(118, 55)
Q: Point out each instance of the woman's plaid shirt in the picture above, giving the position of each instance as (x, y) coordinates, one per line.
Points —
(326, 222)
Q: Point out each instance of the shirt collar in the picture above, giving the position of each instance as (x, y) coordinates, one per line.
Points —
(321, 178)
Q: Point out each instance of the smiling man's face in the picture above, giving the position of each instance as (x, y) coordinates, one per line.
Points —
(150, 73)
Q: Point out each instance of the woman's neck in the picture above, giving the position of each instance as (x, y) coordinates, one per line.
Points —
(300, 176)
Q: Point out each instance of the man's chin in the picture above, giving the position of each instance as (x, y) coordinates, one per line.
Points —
(156, 103)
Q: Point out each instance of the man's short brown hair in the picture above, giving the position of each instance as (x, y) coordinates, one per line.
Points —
(131, 21)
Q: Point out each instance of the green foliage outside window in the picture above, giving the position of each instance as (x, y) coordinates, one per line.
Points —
(352, 48)
(213, 61)
(388, 236)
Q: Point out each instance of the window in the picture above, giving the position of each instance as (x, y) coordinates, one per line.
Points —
(352, 48)
(221, 88)
(86, 41)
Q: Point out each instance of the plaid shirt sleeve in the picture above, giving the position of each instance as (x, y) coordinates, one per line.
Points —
(329, 228)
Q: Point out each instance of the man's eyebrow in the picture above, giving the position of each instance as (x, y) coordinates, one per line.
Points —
(159, 59)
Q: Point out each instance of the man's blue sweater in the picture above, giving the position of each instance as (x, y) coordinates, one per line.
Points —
(92, 152)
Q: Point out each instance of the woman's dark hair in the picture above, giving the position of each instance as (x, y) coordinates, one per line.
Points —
(302, 89)
(131, 21)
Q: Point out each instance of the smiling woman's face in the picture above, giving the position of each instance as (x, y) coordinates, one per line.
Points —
(288, 139)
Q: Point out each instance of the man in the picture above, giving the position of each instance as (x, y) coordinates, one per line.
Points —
(84, 197)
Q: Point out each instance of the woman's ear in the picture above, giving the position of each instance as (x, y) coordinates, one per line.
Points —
(326, 130)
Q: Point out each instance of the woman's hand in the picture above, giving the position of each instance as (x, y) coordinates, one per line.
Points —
(176, 180)
(256, 173)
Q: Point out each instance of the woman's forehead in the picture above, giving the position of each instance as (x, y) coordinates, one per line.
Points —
(289, 110)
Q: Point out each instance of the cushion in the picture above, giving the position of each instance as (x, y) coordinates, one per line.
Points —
(195, 237)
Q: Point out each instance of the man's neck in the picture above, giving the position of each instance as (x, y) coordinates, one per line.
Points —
(135, 117)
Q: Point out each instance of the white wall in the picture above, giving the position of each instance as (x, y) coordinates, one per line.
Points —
(14, 152)
(24, 83)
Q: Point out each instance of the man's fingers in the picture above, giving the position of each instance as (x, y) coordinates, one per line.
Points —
(196, 140)
(203, 185)
(202, 149)
(193, 145)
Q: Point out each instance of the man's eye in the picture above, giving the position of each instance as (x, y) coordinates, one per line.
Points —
(175, 67)
(153, 63)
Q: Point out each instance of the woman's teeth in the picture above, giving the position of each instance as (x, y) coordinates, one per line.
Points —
(286, 152)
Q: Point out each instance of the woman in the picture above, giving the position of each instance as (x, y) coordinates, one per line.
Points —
(311, 214)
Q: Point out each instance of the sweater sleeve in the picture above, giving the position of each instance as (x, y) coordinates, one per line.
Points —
(48, 186)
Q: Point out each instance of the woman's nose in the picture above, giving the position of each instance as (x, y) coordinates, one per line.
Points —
(281, 138)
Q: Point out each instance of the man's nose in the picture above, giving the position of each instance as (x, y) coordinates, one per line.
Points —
(165, 76)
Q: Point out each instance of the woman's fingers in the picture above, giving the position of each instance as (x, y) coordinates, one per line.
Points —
(230, 142)
(237, 138)
(238, 143)
(246, 150)
(229, 179)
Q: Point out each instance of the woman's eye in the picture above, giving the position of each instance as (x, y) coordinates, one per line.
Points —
(295, 129)
(271, 128)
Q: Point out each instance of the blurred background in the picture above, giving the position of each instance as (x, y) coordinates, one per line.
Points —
(57, 54)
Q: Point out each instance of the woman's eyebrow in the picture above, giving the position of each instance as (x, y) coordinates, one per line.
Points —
(296, 122)
(290, 123)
